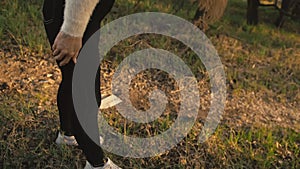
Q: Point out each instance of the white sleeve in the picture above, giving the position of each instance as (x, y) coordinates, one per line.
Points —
(77, 15)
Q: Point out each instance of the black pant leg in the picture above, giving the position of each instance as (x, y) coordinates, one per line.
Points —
(53, 18)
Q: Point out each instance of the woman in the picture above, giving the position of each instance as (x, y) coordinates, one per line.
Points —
(69, 24)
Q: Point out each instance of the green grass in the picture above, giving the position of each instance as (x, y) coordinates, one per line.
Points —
(265, 34)
(21, 22)
(27, 143)
(265, 63)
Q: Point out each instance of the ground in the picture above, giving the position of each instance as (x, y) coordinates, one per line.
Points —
(260, 124)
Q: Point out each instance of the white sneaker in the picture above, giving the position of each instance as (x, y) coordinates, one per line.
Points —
(70, 140)
(67, 140)
(109, 101)
(108, 165)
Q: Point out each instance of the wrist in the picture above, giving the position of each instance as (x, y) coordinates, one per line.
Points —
(73, 29)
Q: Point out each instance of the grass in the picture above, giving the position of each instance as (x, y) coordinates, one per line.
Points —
(27, 143)
(22, 22)
(261, 59)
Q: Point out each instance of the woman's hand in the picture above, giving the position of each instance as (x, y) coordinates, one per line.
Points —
(66, 47)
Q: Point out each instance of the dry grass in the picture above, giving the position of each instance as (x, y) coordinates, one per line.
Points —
(260, 126)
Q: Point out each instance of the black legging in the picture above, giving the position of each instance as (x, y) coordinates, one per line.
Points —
(69, 124)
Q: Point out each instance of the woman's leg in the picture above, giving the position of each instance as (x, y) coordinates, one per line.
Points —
(90, 149)
(53, 15)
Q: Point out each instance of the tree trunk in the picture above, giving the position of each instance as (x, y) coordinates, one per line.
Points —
(252, 12)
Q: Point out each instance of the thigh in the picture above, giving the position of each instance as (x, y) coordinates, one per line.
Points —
(53, 18)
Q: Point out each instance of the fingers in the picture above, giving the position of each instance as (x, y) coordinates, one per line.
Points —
(55, 52)
(56, 41)
(74, 58)
(54, 46)
(65, 60)
(65, 57)
(59, 56)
